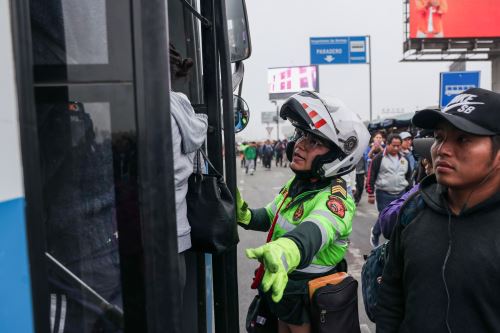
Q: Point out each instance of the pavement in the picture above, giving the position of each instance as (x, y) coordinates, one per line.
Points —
(258, 190)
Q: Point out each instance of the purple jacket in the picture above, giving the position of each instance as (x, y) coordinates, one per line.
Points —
(388, 217)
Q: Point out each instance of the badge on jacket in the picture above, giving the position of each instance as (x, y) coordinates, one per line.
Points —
(298, 212)
(336, 206)
(339, 188)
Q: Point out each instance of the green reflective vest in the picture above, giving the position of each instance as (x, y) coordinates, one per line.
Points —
(331, 209)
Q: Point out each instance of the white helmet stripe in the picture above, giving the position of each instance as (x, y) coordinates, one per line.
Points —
(315, 117)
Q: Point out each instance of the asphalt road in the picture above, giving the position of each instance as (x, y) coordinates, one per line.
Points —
(258, 190)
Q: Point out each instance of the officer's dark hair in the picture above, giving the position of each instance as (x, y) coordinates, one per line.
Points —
(392, 137)
(179, 67)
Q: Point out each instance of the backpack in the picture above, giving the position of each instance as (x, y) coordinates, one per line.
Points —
(371, 273)
(268, 150)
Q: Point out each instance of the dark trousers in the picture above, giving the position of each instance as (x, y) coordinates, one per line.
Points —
(385, 198)
(360, 185)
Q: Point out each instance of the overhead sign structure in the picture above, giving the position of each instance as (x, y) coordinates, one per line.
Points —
(283, 82)
(269, 117)
(455, 83)
(338, 50)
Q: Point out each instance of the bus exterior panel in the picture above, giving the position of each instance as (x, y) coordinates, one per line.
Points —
(15, 286)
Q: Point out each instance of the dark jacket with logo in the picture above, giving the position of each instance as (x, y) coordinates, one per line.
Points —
(443, 269)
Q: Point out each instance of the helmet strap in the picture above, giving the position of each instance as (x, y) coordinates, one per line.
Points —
(304, 175)
(321, 160)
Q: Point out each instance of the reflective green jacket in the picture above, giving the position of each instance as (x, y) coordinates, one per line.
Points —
(319, 221)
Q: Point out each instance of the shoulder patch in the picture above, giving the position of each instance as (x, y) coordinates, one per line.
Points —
(339, 188)
(298, 212)
(336, 206)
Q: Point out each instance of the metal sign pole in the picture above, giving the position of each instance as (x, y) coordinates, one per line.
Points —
(277, 119)
(370, 73)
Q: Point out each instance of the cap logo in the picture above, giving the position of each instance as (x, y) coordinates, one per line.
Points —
(464, 102)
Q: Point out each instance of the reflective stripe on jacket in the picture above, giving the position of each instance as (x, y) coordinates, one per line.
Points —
(330, 208)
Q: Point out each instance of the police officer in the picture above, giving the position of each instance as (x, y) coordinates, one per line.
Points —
(313, 211)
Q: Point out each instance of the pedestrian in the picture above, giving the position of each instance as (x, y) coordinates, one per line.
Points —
(360, 180)
(188, 135)
(443, 270)
(279, 148)
(407, 148)
(376, 146)
(241, 149)
(313, 210)
(250, 157)
(267, 154)
(388, 175)
(285, 145)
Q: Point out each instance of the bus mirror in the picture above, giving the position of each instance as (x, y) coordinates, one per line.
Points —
(238, 32)
(241, 113)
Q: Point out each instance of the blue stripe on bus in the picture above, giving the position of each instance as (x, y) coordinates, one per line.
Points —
(15, 289)
(209, 295)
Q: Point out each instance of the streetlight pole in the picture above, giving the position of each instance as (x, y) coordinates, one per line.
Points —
(277, 119)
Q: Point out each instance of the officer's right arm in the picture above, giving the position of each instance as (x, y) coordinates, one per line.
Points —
(390, 305)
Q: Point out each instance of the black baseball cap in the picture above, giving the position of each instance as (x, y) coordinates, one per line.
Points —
(475, 111)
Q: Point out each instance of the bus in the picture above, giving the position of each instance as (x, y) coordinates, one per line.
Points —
(88, 238)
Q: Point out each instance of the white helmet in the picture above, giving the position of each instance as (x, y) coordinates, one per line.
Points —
(330, 120)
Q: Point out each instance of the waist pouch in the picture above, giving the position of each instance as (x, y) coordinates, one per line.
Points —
(334, 307)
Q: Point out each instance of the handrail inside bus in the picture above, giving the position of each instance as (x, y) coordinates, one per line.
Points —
(111, 311)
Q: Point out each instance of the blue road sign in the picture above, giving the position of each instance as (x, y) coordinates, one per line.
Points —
(338, 50)
(454, 83)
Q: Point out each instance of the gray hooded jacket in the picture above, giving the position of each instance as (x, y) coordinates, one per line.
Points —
(189, 131)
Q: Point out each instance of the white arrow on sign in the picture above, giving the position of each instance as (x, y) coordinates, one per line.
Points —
(329, 58)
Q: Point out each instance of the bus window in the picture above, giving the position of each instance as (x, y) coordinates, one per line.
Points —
(81, 41)
(184, 32)
(89, 176)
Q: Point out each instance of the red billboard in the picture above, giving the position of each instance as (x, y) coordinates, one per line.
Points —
(454, 18)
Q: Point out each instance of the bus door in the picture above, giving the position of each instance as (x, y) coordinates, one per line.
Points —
(102, 202)
(213, 34)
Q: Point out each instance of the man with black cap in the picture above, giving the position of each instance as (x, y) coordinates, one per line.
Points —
(443, 270)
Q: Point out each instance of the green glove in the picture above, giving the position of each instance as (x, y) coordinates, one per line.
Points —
(280, 257)
(243, 214)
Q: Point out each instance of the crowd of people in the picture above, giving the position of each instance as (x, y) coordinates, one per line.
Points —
(265, 152)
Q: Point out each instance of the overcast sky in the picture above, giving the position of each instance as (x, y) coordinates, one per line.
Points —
(280, 32)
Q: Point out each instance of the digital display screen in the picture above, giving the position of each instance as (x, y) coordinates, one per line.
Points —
(285, 81)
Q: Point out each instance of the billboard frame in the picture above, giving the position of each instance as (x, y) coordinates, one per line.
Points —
(446, 49)
(282, 96)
